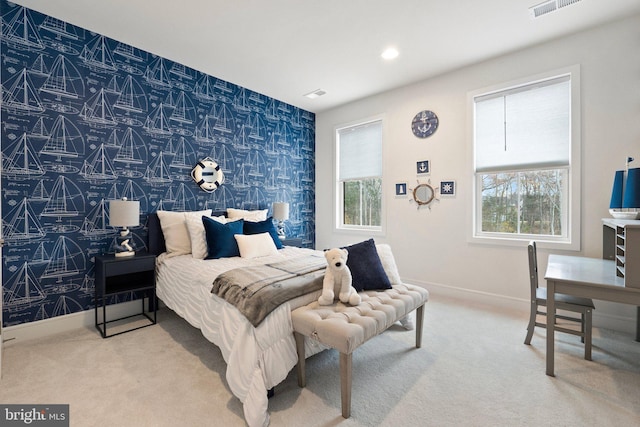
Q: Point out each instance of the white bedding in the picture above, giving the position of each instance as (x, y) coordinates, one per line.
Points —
(257, 358)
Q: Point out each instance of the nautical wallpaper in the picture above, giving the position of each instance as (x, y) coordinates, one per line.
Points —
(87, 119)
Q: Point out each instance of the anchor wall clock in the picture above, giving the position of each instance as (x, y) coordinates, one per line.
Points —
(424, 124)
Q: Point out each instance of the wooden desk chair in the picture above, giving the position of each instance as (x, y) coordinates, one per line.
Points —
(584, 306)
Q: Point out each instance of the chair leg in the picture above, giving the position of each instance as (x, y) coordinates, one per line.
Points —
(532, 323)
(582, 316)
(302, 380)
(587, 334)
(345, 383)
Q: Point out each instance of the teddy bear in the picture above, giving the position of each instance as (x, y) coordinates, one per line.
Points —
(337, 279)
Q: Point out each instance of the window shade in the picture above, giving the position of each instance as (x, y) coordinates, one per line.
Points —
(360, 151)
(528, 126)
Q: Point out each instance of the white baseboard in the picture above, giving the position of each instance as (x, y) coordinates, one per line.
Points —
(601, 319)
(84, 319)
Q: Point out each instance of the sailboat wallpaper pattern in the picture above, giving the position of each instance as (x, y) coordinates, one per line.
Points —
(86, 119)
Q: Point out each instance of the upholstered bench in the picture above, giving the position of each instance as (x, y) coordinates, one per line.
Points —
(344, 327)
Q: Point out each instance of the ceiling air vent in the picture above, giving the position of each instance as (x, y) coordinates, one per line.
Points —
(563, 3)
(315, 94)
(550, 6)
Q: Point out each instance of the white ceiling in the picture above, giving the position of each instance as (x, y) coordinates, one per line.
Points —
(287, 48)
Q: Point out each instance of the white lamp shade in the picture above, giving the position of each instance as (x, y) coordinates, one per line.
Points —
(281, 211)
(124, 213)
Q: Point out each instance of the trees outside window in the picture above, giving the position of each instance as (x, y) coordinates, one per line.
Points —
(526, 161)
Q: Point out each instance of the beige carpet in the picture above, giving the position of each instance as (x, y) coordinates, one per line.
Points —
(473, 370)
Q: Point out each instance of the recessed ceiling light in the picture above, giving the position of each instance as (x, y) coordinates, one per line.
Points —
(390, 53)
(315, 94)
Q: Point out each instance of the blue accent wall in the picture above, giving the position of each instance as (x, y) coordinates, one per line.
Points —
(87, 119)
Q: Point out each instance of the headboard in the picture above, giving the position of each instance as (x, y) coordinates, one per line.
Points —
(156, 237)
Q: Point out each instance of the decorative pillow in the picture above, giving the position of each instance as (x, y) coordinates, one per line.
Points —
(176, 235)
(366, 268)
(388, 263)
(265, 226)
(197, 235)
(258, 215)
(255, 245)
(220, 241)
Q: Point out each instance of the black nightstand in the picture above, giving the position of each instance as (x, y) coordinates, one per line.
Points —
(114, 276)
(292, 242)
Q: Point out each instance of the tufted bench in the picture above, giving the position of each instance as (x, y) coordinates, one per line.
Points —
(344, 327)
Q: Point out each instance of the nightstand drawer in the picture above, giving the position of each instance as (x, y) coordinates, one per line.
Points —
(294, 241)
(128, 266)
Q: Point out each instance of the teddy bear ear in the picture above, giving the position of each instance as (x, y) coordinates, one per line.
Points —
(346, 252)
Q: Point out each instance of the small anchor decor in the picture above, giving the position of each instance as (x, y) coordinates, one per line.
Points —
(422, 167)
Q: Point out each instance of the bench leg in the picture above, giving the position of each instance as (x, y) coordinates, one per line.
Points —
(419, 322)
(302, 381)
(345, 383)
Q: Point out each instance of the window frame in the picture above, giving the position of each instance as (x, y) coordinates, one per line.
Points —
(338, 199)
(571, 239)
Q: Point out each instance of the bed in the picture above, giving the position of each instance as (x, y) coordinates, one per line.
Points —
(258, 358)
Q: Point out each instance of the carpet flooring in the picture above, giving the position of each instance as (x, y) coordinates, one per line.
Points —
(472, 370)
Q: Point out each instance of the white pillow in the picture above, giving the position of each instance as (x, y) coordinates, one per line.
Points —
(388, 263)
(253, 216)
(255, 245)
(176, 235)
(197, 234)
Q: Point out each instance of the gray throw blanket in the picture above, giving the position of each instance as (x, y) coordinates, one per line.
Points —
(257, 290)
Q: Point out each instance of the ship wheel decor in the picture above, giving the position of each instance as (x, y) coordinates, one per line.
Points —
(424, 194)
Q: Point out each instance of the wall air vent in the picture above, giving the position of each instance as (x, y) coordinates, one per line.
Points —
(550, 6)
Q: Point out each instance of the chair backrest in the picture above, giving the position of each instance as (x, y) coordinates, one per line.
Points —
(533, 268)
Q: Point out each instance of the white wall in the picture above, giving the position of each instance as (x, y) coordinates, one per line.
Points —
(431, 246)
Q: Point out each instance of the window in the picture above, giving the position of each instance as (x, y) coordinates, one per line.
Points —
(359, 180)
(526, 169)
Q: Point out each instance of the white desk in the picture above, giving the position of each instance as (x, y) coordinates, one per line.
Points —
(583, 277)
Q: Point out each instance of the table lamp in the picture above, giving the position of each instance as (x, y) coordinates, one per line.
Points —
(281, 214)
(124, 213)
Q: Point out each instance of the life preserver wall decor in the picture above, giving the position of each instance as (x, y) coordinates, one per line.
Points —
(208, 175)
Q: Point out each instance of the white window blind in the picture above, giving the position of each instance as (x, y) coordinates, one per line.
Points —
(524, 127)
(360, 151)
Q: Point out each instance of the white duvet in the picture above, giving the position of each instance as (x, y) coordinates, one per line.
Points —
(257, 358)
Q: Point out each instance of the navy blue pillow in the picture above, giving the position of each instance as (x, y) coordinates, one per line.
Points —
(366, 267)
(220, 240)
(265, 226)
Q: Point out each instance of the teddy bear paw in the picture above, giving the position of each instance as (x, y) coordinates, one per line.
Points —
(353, 299)
(325, 299)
